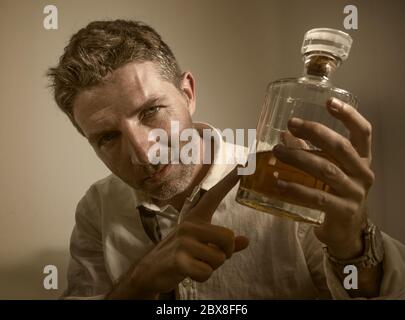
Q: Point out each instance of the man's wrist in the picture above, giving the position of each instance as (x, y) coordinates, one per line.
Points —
(130, 286)
(351, 250)
(372, 250)
(138, 285)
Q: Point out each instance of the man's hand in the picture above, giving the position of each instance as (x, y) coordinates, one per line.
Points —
(349, 177)
(194, 249)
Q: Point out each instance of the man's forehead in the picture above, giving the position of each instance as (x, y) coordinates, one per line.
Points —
(134, 80)
(130, 85)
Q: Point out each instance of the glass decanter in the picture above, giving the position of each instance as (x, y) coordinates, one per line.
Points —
(323, 51)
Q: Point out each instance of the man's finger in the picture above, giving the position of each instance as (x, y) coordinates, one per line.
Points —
(206, 233)
(334, 145)
(213, 197)
(319, 167)
(359, 127)
(292, 142)
(241, 242)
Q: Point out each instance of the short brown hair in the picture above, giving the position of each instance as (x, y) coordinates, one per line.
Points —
(100, 48)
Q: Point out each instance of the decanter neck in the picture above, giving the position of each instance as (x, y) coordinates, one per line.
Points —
(320, 65)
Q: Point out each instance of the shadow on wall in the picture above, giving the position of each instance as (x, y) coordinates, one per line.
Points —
(24, 280)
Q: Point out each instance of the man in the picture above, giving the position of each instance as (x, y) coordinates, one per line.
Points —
(152, 231)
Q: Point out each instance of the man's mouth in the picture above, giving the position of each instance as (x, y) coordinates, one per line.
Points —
(160, 173)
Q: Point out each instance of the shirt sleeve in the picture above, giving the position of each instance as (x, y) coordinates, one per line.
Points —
(87, 276)
(393, 281)
(313, 253)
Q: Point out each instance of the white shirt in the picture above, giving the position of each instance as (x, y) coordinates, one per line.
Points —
(284, 259)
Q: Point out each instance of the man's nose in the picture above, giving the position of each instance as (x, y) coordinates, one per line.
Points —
(137, 143)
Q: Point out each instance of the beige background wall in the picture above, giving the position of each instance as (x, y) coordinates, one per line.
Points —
(233, 48)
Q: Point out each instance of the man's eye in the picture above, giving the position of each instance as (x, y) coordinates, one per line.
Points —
(107, 138)
(150, 111)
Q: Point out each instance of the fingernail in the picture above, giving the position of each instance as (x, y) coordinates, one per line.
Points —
(335, 104)
(296, 122)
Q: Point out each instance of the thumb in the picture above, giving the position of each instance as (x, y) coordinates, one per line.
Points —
(241, 242)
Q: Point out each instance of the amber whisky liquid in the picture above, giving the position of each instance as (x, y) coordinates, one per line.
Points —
(260, 191)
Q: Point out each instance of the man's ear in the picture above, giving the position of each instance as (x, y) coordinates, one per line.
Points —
(187, 86)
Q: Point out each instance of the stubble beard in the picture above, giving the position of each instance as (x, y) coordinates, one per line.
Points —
(166, 190)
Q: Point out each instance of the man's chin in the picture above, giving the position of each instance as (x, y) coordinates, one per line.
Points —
(164, 191)
(175, 182)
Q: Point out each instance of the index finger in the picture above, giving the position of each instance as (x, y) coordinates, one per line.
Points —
(213, 197)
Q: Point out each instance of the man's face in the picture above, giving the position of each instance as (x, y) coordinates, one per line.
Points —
(117, 117)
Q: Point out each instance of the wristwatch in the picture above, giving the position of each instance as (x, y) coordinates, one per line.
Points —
(373, 250)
